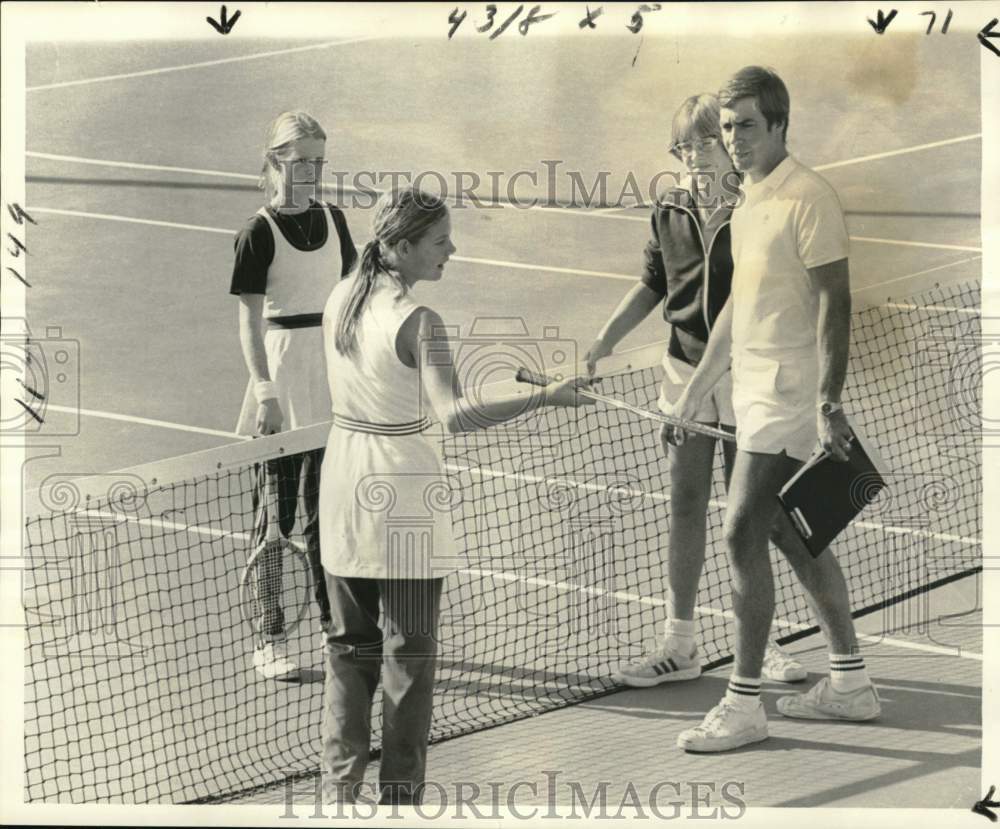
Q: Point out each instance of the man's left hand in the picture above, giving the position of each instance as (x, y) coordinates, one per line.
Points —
(835, 434)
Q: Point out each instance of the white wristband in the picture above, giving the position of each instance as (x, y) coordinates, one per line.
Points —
(264, 390)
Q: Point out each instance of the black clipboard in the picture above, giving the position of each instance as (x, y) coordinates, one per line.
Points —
(825, 495)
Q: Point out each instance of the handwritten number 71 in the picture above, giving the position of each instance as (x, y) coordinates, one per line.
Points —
(930, 26)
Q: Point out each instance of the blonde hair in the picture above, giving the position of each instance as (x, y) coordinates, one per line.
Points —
(404, 214)
(697, 117)
(284, 131)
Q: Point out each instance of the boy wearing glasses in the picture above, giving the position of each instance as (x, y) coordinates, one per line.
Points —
(688, 268)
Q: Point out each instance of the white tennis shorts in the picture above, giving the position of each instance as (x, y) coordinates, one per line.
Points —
(774, 399)
(716, 406)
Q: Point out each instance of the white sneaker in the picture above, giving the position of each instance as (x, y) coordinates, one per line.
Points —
(726, 727)
(781, 666)
(271, 661)
(822, 702)
(660, 665)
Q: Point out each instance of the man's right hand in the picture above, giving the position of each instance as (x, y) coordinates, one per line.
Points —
(598, 351)
(269, 417)
(686, 408)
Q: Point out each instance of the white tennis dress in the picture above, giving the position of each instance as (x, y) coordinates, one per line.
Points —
(385, 503)
(298, 282)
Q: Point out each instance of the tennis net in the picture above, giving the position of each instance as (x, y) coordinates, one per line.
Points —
(139, 682)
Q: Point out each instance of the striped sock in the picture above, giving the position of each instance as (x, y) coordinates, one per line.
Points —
(743, 692)
(848, 672)
(679, 635)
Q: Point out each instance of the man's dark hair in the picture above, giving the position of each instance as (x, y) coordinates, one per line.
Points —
(763, 84)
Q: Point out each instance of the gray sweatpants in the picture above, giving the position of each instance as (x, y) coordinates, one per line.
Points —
(357, 651)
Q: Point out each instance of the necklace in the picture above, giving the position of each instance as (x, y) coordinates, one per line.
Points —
(305, 229)
(309, 232)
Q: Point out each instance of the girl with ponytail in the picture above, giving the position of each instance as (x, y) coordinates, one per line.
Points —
(391, 373)
(289, 256)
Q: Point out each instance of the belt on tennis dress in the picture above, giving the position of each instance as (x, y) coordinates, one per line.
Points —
(413, 427)
(296, 321)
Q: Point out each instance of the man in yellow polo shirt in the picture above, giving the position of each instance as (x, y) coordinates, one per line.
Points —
(786, 329)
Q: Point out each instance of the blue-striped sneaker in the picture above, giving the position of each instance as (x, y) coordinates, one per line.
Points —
(821, 702)
(660, 665)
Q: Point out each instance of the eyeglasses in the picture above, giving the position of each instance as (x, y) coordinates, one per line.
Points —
(685, 149)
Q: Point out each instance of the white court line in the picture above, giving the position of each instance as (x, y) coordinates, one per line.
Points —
(890, 687)
(527, 266)
(346, 188)
(162, 168)
(160, 524)
(129, 165)
(919, 273)
(566, 587)
(726, 614)
(944, 309)
(863, 158)
(127, 219)
(901, 151)
(535, 479)
(887, 528)
(550, 269)
(495, 262)
(870, 239)
(599, 214)
(563, 586)
(200, 64)
(145, 421)
(520, 477)
(907, 306)
(910, 244)
(565, 211)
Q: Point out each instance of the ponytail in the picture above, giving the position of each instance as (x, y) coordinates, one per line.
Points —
(406, 214)
(364, 282)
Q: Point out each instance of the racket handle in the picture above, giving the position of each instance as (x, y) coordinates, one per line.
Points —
(525, 375)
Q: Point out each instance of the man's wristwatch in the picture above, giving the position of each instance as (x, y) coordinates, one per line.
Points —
(827, 408)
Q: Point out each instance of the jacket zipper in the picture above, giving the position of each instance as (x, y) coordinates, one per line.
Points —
(706, 254)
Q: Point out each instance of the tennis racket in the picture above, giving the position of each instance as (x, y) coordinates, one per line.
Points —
(527, 376)
(276, 581)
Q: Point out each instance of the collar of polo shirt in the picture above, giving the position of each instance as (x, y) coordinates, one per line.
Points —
(778, 175)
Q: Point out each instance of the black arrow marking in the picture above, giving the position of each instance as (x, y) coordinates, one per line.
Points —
(224, 26)
(588, 21)
(984, 33)
(882, 21)
(981, 806)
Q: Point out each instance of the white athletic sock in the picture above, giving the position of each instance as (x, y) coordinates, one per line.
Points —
(678, 635)
(743, 692)
(848, 672)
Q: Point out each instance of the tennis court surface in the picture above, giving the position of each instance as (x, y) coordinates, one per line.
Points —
(138, 681)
